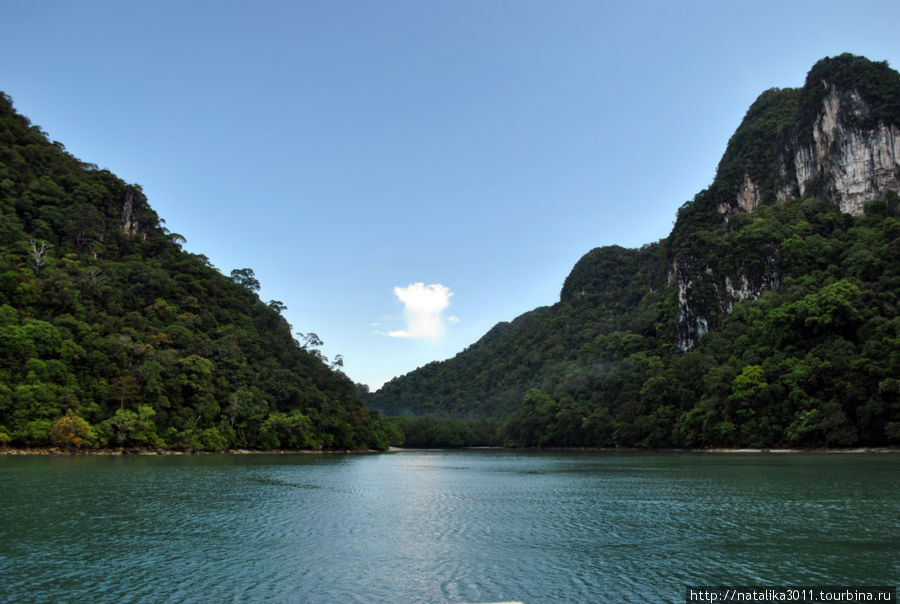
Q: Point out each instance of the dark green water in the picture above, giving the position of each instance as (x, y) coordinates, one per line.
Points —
(469, 526)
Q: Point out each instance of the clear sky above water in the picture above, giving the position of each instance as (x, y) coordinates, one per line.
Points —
(404, 174)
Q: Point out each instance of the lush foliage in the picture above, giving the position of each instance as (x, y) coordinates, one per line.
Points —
(429, 432)
(809, 358)
(489, 378)
(812, 364)
(112, 335)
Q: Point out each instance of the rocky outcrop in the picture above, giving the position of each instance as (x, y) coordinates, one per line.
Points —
(836, 139)
(705, 295)
(132, 215)
(692, 323)
(843, 163)
(748, 197)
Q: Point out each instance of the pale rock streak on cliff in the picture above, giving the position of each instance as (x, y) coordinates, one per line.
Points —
(853, 165)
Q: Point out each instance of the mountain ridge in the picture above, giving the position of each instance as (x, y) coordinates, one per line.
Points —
(111, 335)
(604, 359)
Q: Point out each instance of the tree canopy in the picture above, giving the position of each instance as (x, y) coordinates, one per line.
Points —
(112, 335)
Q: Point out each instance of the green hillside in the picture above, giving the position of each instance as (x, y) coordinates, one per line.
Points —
(112, 335)
(768, 317)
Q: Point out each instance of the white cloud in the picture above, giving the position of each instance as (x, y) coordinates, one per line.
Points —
(454, 319)
(423, 305)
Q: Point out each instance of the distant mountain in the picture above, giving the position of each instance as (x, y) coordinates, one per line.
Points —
(112, 335)
(768, 316)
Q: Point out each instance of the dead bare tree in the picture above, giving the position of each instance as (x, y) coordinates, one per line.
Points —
(38, 255)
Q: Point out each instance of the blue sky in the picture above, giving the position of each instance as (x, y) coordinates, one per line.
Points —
(403, 175)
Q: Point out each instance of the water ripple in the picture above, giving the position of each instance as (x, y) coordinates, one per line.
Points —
(441, 527)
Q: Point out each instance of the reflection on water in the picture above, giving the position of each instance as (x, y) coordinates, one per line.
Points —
(442, 526)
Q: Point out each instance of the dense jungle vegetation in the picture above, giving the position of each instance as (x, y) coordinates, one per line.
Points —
(813, 362)
(112, 335)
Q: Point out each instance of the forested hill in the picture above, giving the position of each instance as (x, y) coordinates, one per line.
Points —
(768, 317)
(112, 335)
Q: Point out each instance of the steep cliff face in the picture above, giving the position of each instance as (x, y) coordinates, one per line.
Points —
(843, 163)
(706, 293)
(837, 139)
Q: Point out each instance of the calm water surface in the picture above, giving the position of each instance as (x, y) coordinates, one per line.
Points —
(468, 526)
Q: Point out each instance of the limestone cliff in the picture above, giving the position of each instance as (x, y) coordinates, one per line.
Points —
(843, 163)
(836, 139)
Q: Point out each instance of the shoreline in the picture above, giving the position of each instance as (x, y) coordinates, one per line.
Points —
(730, 451)
(126, 452)
(854, 450)
(138, 452)
(716, 450)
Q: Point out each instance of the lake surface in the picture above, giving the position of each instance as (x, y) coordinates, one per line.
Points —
(435, 526)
